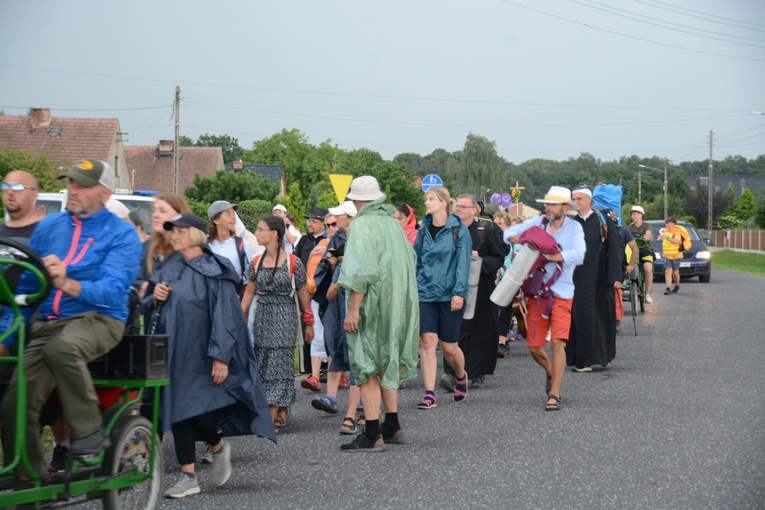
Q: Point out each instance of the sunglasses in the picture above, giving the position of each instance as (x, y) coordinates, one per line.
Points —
(330, 225)
(14, 186)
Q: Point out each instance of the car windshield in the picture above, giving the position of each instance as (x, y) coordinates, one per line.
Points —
(657, 226)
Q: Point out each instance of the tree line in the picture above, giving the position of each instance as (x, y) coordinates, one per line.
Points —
(475, 169)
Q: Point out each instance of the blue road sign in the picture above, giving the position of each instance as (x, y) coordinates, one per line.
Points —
(431, 181)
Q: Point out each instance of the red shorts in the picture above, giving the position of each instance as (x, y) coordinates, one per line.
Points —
(559, 322)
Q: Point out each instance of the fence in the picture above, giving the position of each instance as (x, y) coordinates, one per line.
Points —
(741, 240)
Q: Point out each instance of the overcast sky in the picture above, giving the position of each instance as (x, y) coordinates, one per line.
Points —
(542, 78)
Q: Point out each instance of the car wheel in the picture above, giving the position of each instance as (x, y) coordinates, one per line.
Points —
(704, 278)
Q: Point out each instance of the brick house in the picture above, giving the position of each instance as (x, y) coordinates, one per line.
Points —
(151, 166)
(66, 139)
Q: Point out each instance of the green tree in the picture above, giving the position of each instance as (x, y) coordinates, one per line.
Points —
(287, 148)
(746, 207)
(480, 167)
(232, 186)
(759, 217)
(39, 165)
(185, 141)
(229, 145)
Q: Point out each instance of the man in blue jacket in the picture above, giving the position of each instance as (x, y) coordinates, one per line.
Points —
(92, 257)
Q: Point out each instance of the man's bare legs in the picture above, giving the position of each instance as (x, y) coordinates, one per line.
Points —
(555, 366)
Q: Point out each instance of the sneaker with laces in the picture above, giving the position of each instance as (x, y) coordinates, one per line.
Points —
(648, 298)
(311, 383)
(344, 382)
(675, 289)
(326, 404)
(58, 460)
(207, 455)
(221, 465)
(447, 382)
(478, 382)
(395, 436)
(667, 292)
(362, 443)
(618, 325)
(186, 485)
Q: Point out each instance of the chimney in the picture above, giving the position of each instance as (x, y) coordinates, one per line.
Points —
(165, 147)
(40, 117)
(238, 165)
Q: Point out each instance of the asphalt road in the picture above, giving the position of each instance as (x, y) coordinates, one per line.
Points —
(676, 421)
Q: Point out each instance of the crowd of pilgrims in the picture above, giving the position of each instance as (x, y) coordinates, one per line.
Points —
(276, 286)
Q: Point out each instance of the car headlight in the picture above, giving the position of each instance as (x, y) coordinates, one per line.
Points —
(704, 255)
(657, 255)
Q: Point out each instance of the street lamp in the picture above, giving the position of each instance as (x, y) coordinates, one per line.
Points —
(666, 203)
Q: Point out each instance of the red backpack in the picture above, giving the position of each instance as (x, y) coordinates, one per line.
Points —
(534, 284)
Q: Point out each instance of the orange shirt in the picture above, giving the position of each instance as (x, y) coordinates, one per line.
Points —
(670, 249)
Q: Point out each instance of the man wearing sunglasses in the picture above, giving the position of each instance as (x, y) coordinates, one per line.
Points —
(19, 196)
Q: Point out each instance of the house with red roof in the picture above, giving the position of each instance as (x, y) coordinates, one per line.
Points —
(66, 139)
(151, 166)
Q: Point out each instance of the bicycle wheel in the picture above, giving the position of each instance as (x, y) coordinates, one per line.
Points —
(132, 441)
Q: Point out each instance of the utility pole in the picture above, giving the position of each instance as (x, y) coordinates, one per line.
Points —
(176, 170)
(710, 186)
(666, 190)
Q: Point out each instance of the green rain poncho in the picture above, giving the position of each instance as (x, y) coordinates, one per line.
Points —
(379, 262)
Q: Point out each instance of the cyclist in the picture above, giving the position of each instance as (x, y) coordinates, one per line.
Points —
(92, 257)
(642, 230)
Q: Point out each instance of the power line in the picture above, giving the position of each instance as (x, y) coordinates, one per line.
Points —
(631, 16)
(585, 25)
(679, 10)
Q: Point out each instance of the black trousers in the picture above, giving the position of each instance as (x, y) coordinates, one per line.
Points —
(185, 433)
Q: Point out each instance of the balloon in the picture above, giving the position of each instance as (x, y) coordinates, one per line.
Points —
(496, 199)
(507, 200)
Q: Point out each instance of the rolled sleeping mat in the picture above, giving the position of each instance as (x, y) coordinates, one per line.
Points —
(473, 278)
(515, 276)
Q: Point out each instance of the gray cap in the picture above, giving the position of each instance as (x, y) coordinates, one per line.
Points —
(218, 207)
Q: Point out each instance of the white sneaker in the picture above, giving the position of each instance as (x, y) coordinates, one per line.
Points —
(648, 298)
(221, 466)
(185, 486)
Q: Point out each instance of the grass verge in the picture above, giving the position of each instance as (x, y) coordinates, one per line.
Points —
(750, 263)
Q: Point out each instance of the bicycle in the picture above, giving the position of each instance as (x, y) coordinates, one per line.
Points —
(127, 474)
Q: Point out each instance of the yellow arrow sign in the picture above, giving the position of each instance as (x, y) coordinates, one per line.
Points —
(341, 184)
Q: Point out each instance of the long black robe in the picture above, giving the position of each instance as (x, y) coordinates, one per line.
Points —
(479, 336)
(592, 340)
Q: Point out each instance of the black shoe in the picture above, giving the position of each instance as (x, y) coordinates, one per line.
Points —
(675, 289)
(667, 292)
(478, 382)
(91, 444)
(362, 443)
(58, 461)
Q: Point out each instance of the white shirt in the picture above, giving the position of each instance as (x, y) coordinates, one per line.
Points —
(228, 249)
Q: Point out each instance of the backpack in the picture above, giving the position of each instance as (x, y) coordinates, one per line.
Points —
(534, 284)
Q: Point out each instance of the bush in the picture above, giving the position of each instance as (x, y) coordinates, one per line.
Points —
(250, 211)
(727, 222)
